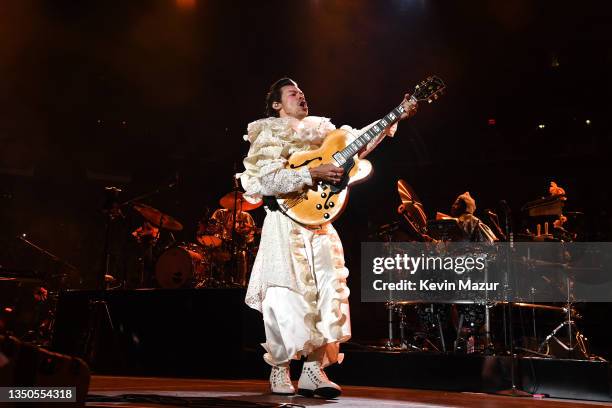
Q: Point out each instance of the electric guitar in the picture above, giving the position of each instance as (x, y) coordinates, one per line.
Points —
(324, 202)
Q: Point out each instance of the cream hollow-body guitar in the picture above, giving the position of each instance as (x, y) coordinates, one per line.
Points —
(324, 202)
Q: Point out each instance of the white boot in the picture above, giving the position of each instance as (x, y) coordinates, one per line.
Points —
(280, 381)
(314, 381)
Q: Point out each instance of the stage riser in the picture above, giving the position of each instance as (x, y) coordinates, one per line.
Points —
(556, 378)
(572, 379)
(159, 332)
(211, 333)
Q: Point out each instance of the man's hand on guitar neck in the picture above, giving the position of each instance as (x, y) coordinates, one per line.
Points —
(410, 107)
(332, 174)
(326, 172)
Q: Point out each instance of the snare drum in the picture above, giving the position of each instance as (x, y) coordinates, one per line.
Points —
(210, 233)
(184, 265)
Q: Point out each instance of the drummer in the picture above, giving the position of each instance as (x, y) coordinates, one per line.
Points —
(245, 225)
(219, 228)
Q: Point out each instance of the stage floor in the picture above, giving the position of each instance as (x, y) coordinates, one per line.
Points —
(258, 391)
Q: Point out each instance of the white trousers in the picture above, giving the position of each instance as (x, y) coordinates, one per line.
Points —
(290, 333)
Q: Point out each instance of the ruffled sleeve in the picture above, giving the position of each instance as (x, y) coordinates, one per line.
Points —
(313, 129)
(271, 140)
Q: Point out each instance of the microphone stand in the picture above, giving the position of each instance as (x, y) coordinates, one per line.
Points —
(151, 193)
(514, 391)
(111, 211)
(233, 248)
(44, 335)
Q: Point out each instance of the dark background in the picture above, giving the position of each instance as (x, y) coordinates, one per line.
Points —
(132, 93)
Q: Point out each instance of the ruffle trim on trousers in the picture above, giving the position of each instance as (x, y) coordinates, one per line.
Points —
(310, 295)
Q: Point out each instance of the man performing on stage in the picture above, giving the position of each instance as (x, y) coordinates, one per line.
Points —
(298, 281)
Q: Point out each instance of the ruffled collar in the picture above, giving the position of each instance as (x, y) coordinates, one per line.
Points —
(310, 130)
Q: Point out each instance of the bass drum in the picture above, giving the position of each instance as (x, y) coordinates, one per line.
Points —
(182, 266)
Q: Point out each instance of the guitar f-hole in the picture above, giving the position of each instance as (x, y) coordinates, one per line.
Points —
(293, 166)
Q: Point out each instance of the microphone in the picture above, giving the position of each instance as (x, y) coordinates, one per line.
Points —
(495, 221)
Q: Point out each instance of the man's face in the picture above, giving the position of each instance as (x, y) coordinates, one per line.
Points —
(293, 103)
(458, 208)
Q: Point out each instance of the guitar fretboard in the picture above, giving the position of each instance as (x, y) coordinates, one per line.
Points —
(352, 149)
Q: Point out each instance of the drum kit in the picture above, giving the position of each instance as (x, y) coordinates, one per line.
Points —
(479, 326)
(221, 256)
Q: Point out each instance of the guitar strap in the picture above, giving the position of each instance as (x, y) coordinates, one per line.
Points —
(271, 203)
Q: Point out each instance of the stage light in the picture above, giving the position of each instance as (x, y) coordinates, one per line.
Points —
(186, 4)
(588, 122)
(541, 126)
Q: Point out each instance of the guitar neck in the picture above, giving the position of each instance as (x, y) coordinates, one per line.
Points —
(353, 148)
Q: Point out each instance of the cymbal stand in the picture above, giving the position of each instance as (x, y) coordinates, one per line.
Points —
(146, 261)
(403, 325)
(112, 212)
(386, 234)
(488, 344)
(233, 247)
(514, 391)
(434, 310)
(147, 251)
(390, 310)
(572, 349)
(95, 322)
(147, 266)
(534, 330)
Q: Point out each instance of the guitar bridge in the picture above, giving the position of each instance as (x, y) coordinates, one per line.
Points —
(291, 202)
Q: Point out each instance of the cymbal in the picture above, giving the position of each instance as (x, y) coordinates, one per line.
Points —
(416, 213)
(406, 192)
(413, 208)
(231, 198)
(574, 214)
(535, 306)
(158, 218)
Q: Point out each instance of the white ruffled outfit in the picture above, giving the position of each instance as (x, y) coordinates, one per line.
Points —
(298, 280)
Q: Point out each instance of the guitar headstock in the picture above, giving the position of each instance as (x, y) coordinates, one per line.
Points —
(429, 89)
